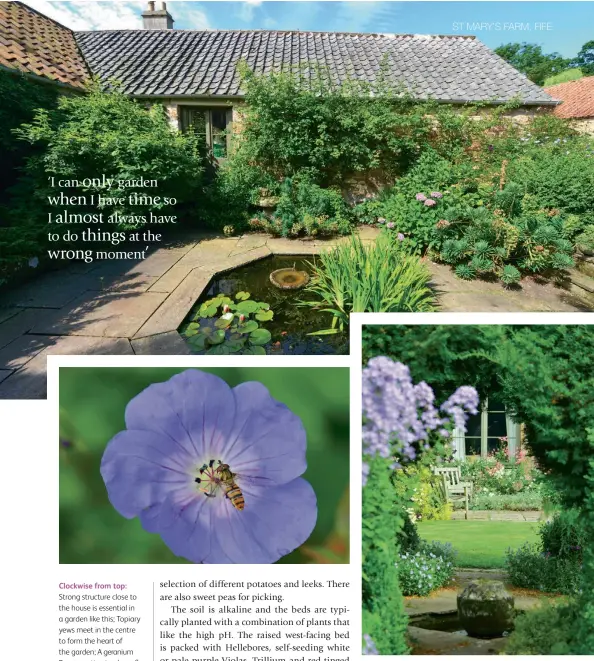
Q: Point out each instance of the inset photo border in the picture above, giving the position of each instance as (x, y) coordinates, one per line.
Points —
(477, 481)
(177, 460)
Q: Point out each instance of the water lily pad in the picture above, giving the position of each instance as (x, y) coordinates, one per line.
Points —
(247, 307)
(198, 342)
(235, 336)
(234, 346)
(191, 333)
(265, 316)
(219, 350)
(193, 326)
(255, 351)
(263, 306)
(260, 336)
(216, 337)
(208, 310)
(206, 330)
(242, 295)
(248, 327)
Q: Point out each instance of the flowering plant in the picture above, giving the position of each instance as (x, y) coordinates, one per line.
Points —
(215, 471)
(427, 569)
(401, 420)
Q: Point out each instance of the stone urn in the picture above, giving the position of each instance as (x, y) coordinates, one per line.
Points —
(486, 608)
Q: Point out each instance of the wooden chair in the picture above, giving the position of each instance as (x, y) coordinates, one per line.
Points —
(454, 489)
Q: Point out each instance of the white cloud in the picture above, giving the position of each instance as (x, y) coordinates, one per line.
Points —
(362, 16)
(193, 17)
(247, 10)
(115, 14)
(92, 14)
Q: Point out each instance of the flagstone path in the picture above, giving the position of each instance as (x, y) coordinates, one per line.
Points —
(444, 602)
(131, 307)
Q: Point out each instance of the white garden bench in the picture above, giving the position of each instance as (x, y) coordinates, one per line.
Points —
(455, 490)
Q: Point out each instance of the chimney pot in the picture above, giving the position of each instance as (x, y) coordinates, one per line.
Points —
(157, 19)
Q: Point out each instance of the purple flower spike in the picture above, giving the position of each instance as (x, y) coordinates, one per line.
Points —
(390, 226)
(400, 236)
(430, 203)
(34, 262)
(420, 197)
(214, 470)
(381, 221)
(437, 195)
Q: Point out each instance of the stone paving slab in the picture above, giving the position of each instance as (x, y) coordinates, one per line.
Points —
(165, 344)
(53, 290)
(21, 350)
(30, 382)
(170, 280)
(249, 242)
(232, 262)
(4, 374)
(173, 311)
(20, 324)
(293, 247)
(456, 295)
(7, 313)
(133, 282)
(208, 253)
(426, 641)
(154, 265)
(102, 314)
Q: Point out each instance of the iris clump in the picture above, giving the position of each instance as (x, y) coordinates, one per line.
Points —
(214, 470)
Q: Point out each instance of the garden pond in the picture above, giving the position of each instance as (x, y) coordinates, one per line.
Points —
(243, 312)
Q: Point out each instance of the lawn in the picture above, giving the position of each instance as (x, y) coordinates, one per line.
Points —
(480, 543)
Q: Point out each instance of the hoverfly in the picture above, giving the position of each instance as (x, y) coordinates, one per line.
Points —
(220, 477)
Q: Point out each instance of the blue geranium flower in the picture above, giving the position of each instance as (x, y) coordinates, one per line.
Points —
(214, 470)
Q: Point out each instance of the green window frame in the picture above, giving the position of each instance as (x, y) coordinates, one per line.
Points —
(213, 123)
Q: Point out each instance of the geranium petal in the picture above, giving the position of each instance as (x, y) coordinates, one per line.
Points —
(140, 468)
(194, 409)
(185, 523)
(268, 440)
(275, 521)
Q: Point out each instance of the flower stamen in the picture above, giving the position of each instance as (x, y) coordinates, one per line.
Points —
(221, 478)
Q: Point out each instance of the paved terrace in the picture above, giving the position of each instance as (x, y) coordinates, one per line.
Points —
(126, 307)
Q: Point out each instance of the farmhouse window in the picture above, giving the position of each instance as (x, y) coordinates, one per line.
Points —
(213, 124)
(484, 430)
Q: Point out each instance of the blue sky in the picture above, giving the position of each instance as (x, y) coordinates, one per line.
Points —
(557, 26)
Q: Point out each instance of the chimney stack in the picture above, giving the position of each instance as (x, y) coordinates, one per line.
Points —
(157, 19)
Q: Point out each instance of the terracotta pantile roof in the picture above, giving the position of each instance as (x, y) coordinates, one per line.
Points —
(35, 44)
(577, 97)
(457, 69)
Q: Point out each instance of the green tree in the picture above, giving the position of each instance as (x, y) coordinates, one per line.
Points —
(585, 58)
(530, 60)
(107, 134)
(303, 120)
(546, 374)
